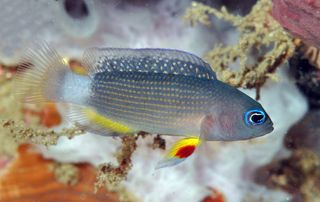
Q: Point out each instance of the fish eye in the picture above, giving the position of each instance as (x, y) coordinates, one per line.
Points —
(76, 9)
(255, 117)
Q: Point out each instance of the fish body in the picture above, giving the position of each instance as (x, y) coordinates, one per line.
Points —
(159, 91)
(157, 103)
(163, 104)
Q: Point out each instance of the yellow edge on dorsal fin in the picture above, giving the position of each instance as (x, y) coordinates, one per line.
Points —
(106, 122)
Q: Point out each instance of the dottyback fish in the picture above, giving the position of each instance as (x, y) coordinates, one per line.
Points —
(159, 91)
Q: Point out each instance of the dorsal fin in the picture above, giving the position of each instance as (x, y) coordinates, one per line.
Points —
(167, 61)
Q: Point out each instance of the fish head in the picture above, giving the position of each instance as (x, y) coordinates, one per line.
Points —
(239, 118)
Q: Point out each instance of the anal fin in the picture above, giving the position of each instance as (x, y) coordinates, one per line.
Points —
(90, 120)
(180, 151)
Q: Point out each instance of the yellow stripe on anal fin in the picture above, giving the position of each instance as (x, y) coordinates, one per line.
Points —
(105, 122)
(180, 151)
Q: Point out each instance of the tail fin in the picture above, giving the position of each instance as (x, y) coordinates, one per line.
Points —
(43, 82)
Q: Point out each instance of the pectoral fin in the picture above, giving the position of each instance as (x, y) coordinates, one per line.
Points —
(180, 151)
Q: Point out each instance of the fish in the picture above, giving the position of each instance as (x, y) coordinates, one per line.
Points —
(159, 91)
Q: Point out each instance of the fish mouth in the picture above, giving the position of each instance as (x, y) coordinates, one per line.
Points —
(268, 129)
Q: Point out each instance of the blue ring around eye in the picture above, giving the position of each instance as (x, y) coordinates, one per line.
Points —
(248, 120)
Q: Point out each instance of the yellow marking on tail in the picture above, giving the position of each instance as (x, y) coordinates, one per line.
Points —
(106, 122)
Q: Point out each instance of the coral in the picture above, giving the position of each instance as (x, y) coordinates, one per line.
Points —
(49, 116)
(305, 66)
(312, 54)
(28, 178)
(299, 175)
(9, 109)
(258, 31)
(215, 196)
(110, 175)
(22, 133)
(306, 133)
(159, 142)
(65, 173)
(301, 18)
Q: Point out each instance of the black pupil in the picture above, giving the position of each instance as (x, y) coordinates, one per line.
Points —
(256, 117)
(77, 9)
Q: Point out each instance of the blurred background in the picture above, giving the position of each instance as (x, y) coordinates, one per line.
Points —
(267, 49)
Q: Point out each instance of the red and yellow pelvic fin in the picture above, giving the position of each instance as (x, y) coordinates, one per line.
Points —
(179, 152)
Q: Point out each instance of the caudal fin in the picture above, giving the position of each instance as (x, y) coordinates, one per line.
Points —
(44, 81)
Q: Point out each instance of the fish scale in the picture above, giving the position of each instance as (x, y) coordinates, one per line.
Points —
(149, 98)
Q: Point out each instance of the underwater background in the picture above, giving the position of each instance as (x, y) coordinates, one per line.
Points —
(267, 49)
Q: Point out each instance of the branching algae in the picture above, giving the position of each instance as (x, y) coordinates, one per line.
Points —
(110, 175)
(257, 30)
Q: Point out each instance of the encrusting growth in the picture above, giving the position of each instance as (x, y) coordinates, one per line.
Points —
(258, 30)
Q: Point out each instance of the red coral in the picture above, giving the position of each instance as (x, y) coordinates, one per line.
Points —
(299, 17)
(49, 115)
(215, 196)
